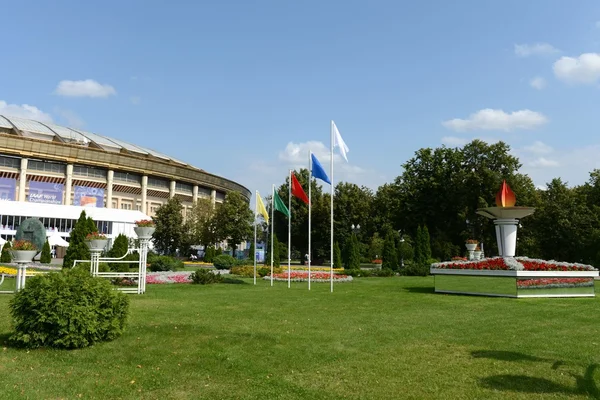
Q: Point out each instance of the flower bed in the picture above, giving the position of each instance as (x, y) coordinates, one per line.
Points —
(515, 277)
(13, 271)
(314, 277)
(514, 264)
(168, 277)
(313, 269)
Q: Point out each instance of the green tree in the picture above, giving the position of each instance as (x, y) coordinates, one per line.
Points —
(426, 244)
(46, 257)
(337, 256)
(351, 253)
(376, 246)
(251, 252)
(352, 206)
(209, 254)
(233, 220)
(6, 257)
(390, 258)
(77, 249)
(119, 249)
(276, 258)
(169, 227)
(201, 222)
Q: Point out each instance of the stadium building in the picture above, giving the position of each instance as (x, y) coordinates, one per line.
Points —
(53, 173)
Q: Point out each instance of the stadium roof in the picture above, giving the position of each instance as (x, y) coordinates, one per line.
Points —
(52, 132)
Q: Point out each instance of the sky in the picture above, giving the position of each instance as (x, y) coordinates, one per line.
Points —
(244, 89)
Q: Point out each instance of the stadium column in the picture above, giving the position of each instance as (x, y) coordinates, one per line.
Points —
(213, 197)
(144, 194)
(22, 179)
(172, 190)
(68, 184)
(195, 194)
(109, 187)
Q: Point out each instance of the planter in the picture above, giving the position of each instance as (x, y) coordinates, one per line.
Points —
(23, 256)
(96, 244)
(144, 232)
(477, 254)
(519, 284)
(471, 246)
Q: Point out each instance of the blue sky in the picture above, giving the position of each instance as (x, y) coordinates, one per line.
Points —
(243, 89)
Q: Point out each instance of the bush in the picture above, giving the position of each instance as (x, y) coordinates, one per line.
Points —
(6, 257)
(357, 273)
(224, 261)
(205, 277)
(209, 254)
(67, 310)
(248, 271)
(418, 269)
(46, 257)
(244, 262)
(384, 272)
(164, 263)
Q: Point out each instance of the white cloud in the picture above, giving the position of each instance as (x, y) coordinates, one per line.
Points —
(539, 148)
(489, 119)
(542, 49)
(538, 83)
(135, 100)
(542, 162)
(85, 88)
(453, 141)
(24, 111)
(72, 119)
(296, 156)
(584, 69)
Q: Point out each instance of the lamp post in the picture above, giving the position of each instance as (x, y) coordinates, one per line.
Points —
(401, 248)
(355, 228)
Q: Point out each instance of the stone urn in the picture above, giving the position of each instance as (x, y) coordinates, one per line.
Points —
(96, 244)
(144, 232)
(23, 256)
(471, 246)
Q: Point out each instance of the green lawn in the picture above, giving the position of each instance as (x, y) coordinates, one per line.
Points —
(376, 338)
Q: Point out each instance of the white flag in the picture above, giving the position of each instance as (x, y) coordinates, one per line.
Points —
(339, 142)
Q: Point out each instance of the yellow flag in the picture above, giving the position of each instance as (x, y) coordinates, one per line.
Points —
(261, 208)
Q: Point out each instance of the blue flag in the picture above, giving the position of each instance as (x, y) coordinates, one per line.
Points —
(318, 171)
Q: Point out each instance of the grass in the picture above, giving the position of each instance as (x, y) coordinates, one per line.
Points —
(375, 338)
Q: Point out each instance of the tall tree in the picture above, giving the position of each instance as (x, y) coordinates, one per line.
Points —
(201, 222)
(119, 249)
(352, 206)
(389, 258)
(77, 249)
(169, 227)
(337, 256)
(233, 220)
(351, 252)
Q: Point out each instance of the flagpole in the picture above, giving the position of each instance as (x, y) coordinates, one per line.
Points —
(331, 254)
(309, 213)
(255, 215)
(290, 230)
(272, 224)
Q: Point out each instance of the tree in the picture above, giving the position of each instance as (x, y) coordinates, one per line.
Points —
(6, 257)
(233, 220)
(46, 257)
(201, 223)
(351, 253)
(426, 244)
(276, 259)
(389, 258)
(376, 246)
(252, 252)
(169, 227)
(352, 206)
(77, 249)
(209, 254)
(119, 249)
(337, 256)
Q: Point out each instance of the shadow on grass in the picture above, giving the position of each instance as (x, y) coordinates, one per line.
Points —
(507, 356)
(234, 281)
(524, 384)
(420, 289)
(4, 339)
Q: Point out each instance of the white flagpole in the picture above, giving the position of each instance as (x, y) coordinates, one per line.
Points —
(309, 212)
(255, 215)
(331, 177)
(272, 224)
(290, 230)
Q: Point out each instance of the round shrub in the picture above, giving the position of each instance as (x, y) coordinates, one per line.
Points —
(67, 310)
(165, 263)
(205, 277)
(224, 261)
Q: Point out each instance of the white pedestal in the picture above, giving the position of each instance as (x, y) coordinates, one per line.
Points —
(506, 236)
(95, 261)
(21, 272)
(143, 260)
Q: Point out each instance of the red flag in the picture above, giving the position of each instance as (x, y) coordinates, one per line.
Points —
(297, 189)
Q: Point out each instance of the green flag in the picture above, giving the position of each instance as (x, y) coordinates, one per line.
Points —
(280, 205)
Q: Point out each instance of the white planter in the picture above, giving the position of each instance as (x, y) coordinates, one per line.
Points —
(23, 256)
(144, 232)
(477, 255)
(96, 244)
(471, 246)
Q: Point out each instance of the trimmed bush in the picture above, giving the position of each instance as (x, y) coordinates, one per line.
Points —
(6, 257)
(164, 263)
(67, 310)
(205, 277)
(46, 257)
(248, 272)
(224, 261)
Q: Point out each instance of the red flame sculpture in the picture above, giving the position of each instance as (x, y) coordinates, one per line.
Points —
(505, 197)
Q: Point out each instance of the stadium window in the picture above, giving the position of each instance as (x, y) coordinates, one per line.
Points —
(10, 162)
(127, 177)
(183, 187)
(46, 166)
(90, 172)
